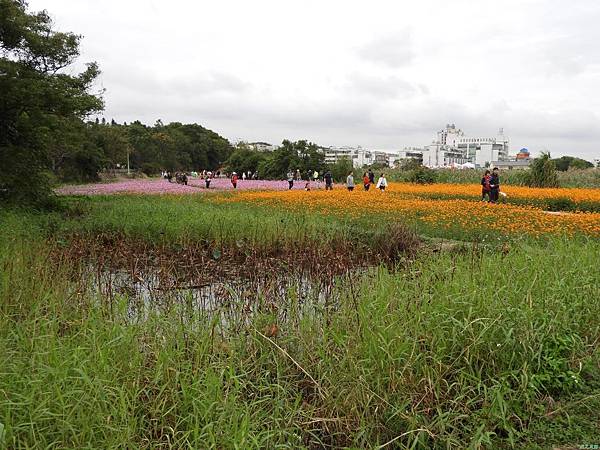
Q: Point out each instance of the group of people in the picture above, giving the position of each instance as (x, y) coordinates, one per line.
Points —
(490, 186)
(180, 177)
(369, 180)
(490, 182)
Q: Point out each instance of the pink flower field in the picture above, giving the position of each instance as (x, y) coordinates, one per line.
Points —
(161, 186)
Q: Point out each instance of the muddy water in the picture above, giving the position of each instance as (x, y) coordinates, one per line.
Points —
(231, 298)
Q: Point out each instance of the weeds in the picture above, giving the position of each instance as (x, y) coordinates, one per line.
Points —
(479, 347)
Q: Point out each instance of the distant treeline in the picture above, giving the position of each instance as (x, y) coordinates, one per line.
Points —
(98, 146)
(148, 149)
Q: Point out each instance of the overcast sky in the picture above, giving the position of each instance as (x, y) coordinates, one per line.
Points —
(381, 74)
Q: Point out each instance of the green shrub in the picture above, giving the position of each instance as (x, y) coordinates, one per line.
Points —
(542, 173)
(560, 204)
(422, 175)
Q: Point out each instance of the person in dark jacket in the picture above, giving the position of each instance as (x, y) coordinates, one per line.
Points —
(494, 185)
(371, 177)
(485, 186)
(328, 178)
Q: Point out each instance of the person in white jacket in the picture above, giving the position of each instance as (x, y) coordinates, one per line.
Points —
(382, 183)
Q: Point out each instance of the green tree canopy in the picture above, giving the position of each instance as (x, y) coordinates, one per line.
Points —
(39, 99)
(565, 163)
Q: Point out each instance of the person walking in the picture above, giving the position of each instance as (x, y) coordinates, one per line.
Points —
(234, 180)
(371, 177)
(494, 185)
(298, 175)
(366, 181)
(328, 178)
(207, 179)
(485, 186)
(290, 179)
(350, 182)
(382, 183)
(244, 176)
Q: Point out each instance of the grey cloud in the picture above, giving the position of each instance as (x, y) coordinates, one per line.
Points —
(380, 86)
(571, 54)
(393, 51)
(142, 81)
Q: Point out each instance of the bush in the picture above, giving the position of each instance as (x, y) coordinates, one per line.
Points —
(543, 172)
(560, 204)
(422, 175)
(341, 168)
(151, 168)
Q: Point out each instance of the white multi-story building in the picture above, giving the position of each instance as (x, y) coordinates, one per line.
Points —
(452, 147)
(262, 146)
(358, 155)
(397, 157)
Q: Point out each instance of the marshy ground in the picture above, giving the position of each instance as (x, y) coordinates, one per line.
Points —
(179, 323)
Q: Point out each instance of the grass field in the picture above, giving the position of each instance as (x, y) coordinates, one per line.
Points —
(427, 335)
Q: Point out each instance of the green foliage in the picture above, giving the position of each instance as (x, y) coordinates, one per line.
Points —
(300, 155)
(437, 346)
(560, 204)
(341, 168)
(39, 99)
(410, 164)
(173, 147)
(542, 173)
(422, 175)
(565, 163)
(584, 178)
(244, 159)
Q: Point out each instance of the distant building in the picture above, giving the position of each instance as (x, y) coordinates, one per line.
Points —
(396, 158)
(452, 148)
(381, 157)
(597, 163)
(510, 165)
(359, 156)
(523, 155)
(262, 146)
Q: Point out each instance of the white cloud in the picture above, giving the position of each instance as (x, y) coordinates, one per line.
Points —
(392, 51)
(381, 74)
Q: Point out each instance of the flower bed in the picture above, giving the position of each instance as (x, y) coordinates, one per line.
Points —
(161, 186)
(462, 215)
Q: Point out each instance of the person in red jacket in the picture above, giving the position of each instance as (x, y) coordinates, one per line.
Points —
(234, 180)
(485, 186)
(366, 181)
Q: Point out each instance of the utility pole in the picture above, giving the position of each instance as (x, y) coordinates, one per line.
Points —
(128, 173)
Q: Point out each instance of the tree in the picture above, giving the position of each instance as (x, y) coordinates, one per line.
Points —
(542, 173)
(410, 164)
(280, 161)
(38, 98)
(422, 175)
(244, 159)
(565, 163)
(341, 168)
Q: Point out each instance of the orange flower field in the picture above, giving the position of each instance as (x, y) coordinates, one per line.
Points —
(519, 192)
(466, 215)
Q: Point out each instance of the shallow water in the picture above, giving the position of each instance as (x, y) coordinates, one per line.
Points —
(232, 298)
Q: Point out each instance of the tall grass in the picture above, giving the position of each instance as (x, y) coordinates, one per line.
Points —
(464, 349)
(178, 220)
(581, 178)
